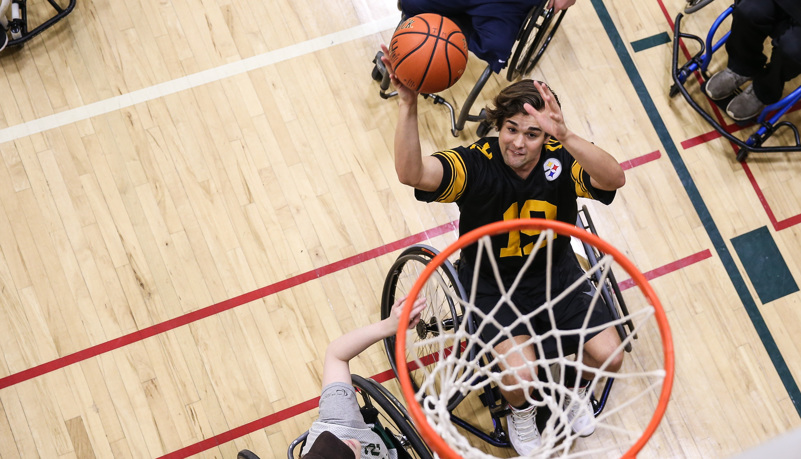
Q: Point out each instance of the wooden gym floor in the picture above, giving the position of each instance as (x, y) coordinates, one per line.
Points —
(196, 197)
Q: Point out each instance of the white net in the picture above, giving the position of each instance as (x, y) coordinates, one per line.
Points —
(452, 363)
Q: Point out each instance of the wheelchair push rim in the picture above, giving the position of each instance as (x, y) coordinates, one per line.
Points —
(432, 322)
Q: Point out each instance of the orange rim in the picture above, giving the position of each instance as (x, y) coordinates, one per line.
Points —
(431, 436)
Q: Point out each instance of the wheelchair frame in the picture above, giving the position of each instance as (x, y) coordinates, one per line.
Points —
(375, 396)
(526, 53)
(768, 119)
(491, 396)
(17, 26)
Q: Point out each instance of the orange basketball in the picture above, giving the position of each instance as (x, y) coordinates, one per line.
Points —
(428, 53)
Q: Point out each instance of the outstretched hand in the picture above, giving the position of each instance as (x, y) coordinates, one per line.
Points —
(414, 316)
(339, 353)
(550, 117)
(404, 92)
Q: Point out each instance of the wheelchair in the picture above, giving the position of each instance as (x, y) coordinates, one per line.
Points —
(533, 38)
(450, 314)
(14, 21)
(385, 413)
(768, 120)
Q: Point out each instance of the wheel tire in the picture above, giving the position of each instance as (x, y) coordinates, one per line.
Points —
(514, 71)
(483, 129)
(543, 39)
(246, 454)
(695, 5)
(416, 258)
(373, 394)
(674, 89)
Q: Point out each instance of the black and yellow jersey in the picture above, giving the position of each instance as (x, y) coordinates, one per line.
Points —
(486, 190)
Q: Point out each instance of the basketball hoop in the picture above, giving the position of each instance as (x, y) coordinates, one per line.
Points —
(464, 372)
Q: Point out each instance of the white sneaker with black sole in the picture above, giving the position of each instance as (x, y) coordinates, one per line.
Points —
(522, 428)
(580, 414)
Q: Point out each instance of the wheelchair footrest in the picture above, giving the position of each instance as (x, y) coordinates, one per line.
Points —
(491, 399)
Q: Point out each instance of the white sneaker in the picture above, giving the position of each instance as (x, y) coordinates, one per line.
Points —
(523, 432)
(581, 416)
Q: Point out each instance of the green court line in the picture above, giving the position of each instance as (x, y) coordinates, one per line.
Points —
(764, 264)
(649, 42)
(700, 207)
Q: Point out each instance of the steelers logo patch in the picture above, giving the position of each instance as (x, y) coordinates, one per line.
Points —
(552, 168)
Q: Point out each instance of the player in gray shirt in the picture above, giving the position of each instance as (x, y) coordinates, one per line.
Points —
(339, 409)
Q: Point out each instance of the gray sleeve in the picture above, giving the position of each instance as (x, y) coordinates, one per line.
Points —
(338, 405)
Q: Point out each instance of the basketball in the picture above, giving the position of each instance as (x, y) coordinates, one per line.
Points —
(428, 53)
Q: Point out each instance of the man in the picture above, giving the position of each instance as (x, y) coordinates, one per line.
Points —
(752, 22)
(536, 167)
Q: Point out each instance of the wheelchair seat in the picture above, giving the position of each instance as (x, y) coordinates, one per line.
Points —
(535, 31)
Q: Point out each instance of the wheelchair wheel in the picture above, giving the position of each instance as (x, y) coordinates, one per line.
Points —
(484, 127)
(742, 154)
(695, 5)
(390, 419)
(610, 291)
(674, 89)
(532, 40)
(442, 315)
(246, 454)
(376, 74)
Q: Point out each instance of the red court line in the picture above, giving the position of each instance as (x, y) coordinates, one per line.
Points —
(668, 268)
(275, 418)
(777, 225)
(730, 128)
(243, 430)
(231, 303)
(710, 136)
(258, 424)
(640, 160)
(292, 411)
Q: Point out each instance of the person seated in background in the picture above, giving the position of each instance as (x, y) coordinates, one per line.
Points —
(752, 22)
(490, 26)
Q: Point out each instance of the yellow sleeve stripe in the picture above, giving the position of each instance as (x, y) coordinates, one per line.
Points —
(577, 172)
(458, 176)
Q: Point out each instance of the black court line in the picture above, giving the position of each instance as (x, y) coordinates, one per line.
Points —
(650, 42)
(700, 207)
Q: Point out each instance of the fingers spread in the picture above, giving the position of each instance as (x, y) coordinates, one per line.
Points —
(530, 110)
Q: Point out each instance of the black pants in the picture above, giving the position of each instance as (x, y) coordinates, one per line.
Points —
(753, 21)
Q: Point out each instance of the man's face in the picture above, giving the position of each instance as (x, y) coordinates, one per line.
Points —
(521, 140)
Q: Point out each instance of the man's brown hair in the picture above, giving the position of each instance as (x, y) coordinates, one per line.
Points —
(509, 102)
